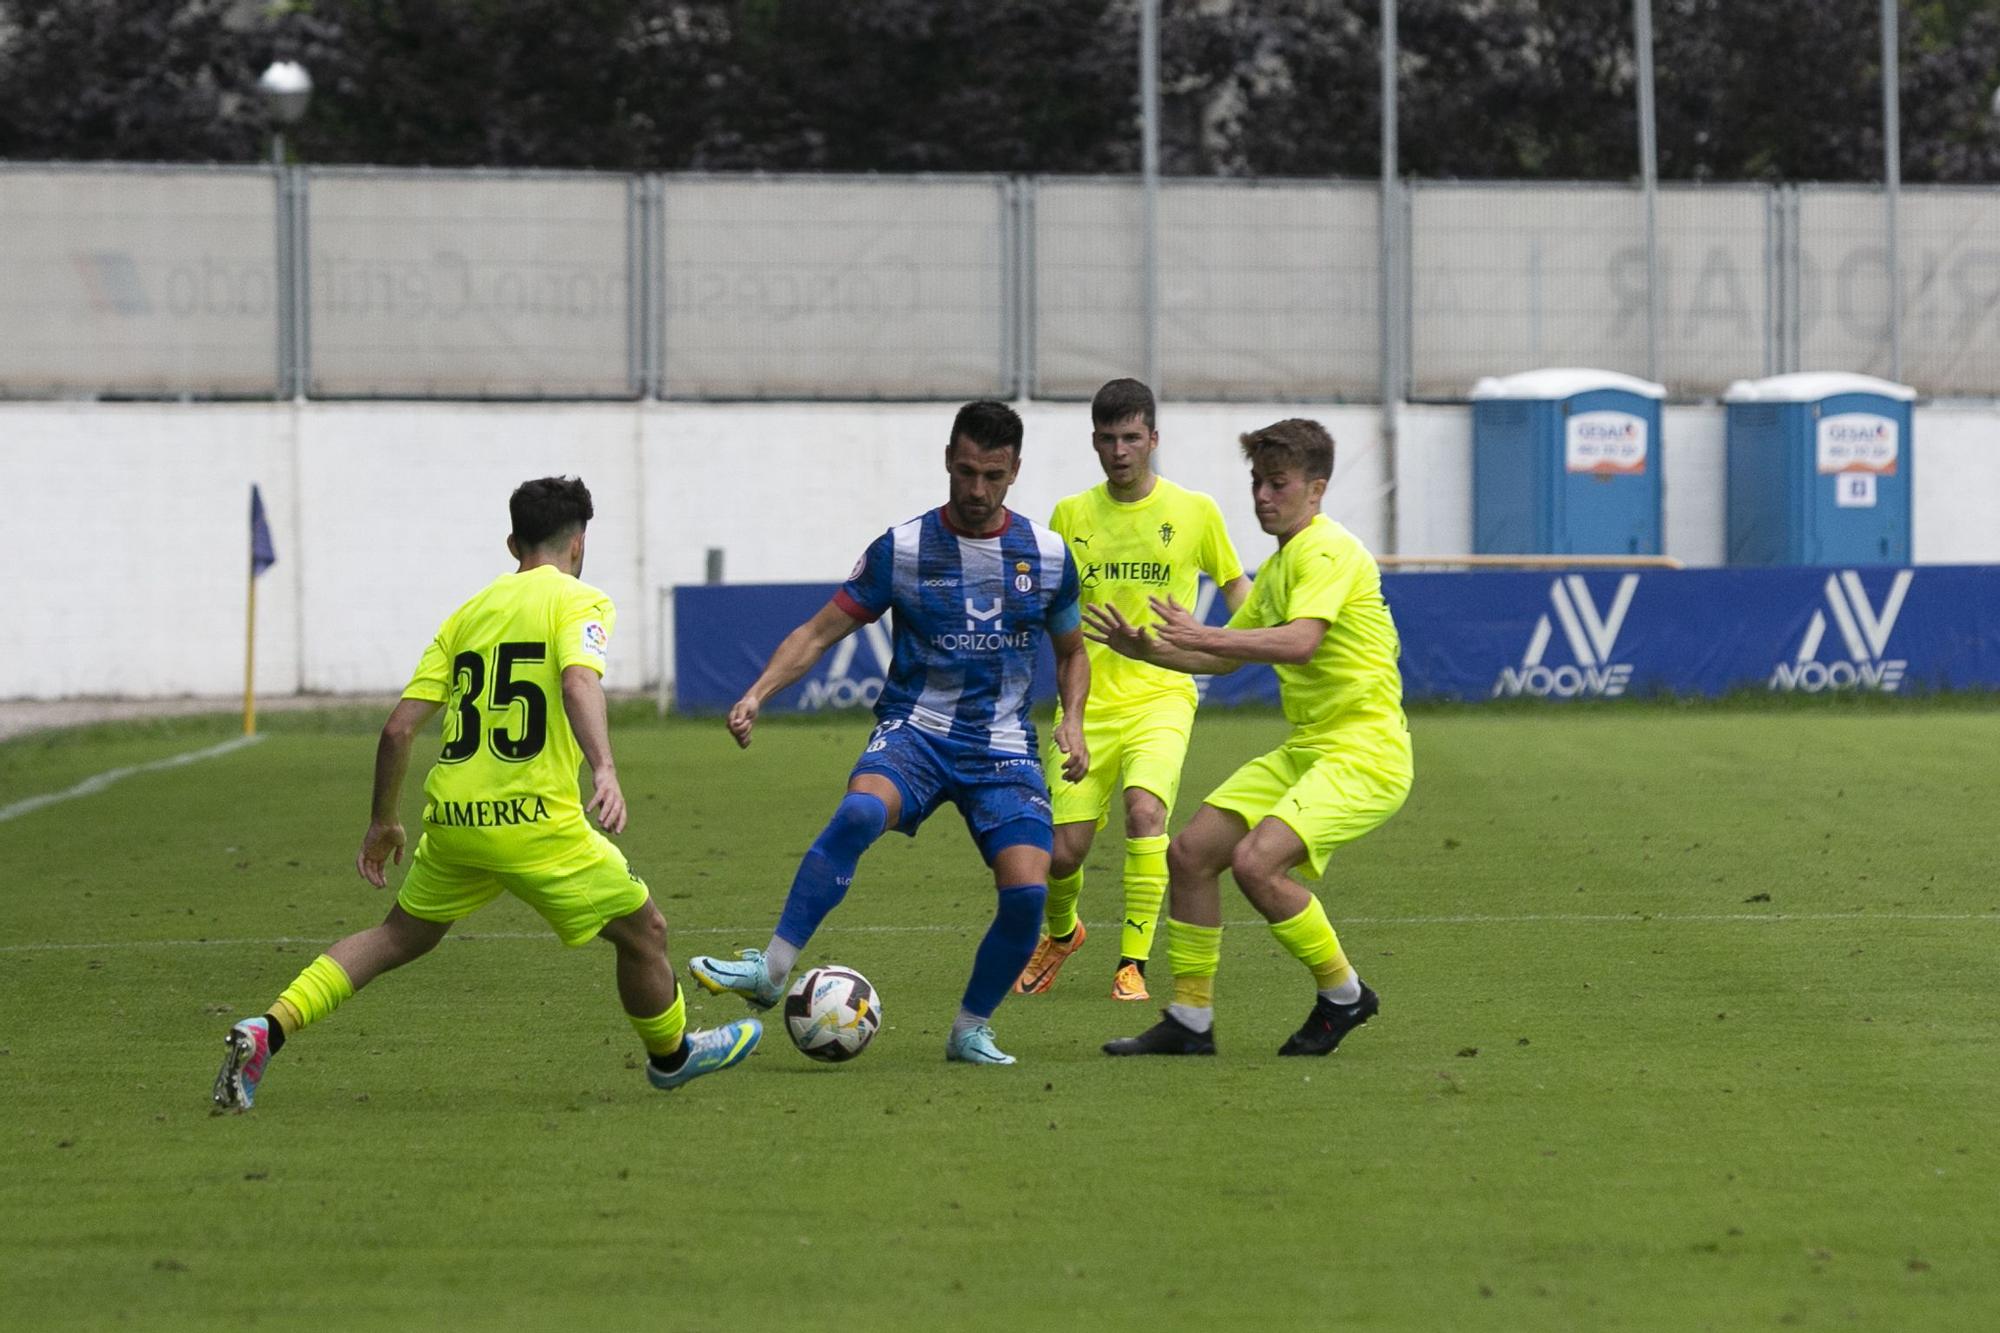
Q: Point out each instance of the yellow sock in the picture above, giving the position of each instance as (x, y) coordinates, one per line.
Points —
(1145, 890)
(662, 1032)
(1060, 913)
(313, 994)
(1309, 938)
(1194, 952)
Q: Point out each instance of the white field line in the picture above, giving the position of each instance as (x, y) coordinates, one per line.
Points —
(751, 932)
(98, 782)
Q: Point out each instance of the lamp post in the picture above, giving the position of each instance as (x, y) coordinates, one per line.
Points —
(1892, 179)
(287, 88)
(1389, 250)
(1649, 179)
(1149, 170)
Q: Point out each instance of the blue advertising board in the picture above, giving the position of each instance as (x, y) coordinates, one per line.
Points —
(1491, 635)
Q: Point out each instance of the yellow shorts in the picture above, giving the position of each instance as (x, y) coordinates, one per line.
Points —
(1128, 748)
(1327, 792)
(576, 897)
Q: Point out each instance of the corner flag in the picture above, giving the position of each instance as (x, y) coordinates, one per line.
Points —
(262, 554)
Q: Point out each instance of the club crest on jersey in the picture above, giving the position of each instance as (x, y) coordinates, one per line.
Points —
(1166, 534)
(1022, 582)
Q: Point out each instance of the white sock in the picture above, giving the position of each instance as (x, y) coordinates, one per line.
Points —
(966, 1021)
(1194, 1018)
(779, 955)
(1347, 992)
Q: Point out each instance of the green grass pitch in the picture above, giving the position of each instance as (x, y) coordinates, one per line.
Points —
(1688, 1022)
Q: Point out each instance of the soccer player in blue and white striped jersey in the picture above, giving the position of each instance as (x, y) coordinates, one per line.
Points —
(974, 587)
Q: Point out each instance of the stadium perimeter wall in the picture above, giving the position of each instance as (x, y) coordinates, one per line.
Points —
(129, 520)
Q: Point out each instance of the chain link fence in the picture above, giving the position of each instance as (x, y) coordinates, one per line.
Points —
(139, 282)
(830, 287)
(233, 282)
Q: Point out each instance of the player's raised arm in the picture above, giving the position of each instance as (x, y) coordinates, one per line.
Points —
(794, 657)
(1292, 643)
(383, 842)
(1105, 624)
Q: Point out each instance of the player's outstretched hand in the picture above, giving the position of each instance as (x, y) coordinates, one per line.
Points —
(742, 717)
(1104, 623)
(381, 844)
(1178, 627)
(1076, 756)
(607, 801)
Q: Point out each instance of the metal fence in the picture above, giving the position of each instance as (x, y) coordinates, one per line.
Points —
(1266, 290)
(831, 287)
(429, 285)
(334, 282)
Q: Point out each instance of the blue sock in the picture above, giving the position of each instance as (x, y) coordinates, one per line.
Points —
(828, 867)
(1009, 942)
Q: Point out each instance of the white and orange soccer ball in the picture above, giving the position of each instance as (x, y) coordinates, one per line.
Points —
(832, 1013)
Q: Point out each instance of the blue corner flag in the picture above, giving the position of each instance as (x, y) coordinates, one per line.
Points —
(262, 554)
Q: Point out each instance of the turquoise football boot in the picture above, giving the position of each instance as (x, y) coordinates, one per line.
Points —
(709, 1051)
(746, 977)
(974, 1046)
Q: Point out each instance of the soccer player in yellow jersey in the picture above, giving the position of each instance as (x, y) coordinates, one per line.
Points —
(1135, 537)
(1317, 615)
(517, 670)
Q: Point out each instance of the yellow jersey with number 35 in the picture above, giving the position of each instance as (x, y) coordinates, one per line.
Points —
(503, 794)
(1127, 553)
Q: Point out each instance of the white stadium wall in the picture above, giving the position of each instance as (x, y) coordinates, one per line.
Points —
(129, 521)
(1955, 493)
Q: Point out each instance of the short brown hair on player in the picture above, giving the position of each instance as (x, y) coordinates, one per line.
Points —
(1119, 399)
(1295, 442)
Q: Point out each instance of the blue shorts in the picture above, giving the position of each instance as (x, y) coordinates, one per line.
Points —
(1003, 797)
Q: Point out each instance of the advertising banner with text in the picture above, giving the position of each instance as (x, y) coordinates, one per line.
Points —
(1471, 636)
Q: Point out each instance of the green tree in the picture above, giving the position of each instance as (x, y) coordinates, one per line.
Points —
(505, 83)
(132, 80)
(924, 85)
(1511, 89)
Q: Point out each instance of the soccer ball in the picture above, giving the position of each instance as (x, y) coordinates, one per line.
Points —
(832, 1013)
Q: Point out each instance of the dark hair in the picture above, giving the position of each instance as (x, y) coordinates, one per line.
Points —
(1295, 442)
(1120, 399)
(989, 425)
(547, 508)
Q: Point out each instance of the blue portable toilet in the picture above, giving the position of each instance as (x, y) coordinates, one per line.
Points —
(1566, 462)
(1819, 470)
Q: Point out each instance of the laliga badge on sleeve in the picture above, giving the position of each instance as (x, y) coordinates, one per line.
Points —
(595, 639)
